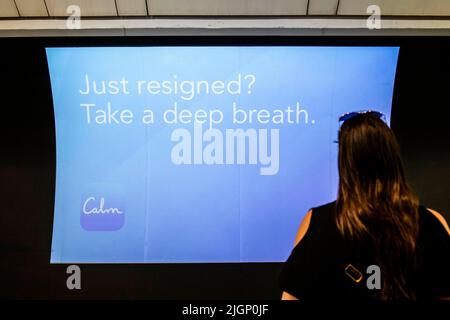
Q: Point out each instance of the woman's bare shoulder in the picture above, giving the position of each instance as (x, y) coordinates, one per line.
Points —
(304, 225)
(441, 219)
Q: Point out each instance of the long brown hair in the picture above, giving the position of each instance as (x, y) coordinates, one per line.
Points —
(374, 201)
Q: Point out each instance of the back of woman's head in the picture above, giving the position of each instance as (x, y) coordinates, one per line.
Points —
(374, 201)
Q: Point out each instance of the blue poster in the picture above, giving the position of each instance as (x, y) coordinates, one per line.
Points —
(200, 154)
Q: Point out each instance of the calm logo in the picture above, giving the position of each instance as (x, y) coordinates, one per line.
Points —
(102, 211)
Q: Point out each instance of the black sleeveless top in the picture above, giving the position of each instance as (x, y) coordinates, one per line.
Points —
(318, 267)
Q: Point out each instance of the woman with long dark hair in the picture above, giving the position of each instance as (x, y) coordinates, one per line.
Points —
(375, 241)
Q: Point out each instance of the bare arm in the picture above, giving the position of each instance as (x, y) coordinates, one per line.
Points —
(444, 223)
(287, 296)
(300, 234)
(440, 218)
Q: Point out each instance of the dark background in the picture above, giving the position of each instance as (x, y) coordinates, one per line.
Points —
(27, 171)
